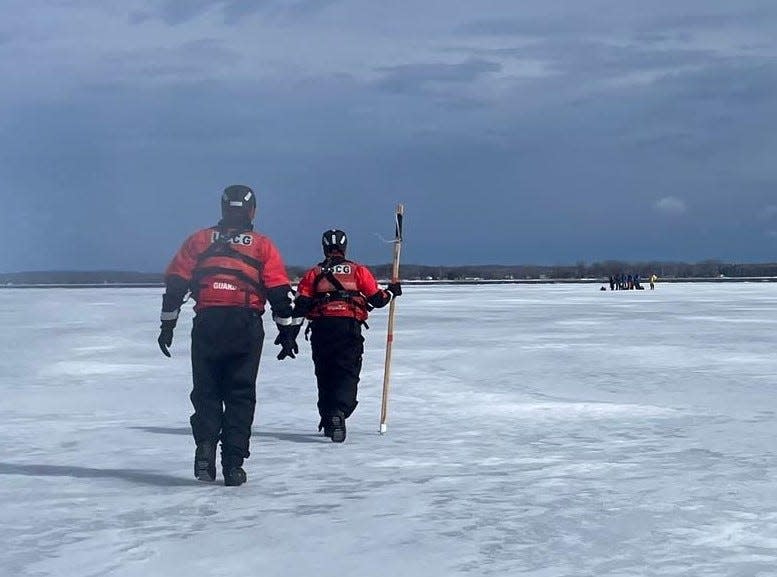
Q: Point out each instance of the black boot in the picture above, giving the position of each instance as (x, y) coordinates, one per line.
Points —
(205, 461)
(326, 425)
(337, 428)
(232, 468)
(234, 476)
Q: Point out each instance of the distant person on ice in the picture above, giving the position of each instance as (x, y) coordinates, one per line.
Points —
(653, 279)
(231, 271)
(336, 296)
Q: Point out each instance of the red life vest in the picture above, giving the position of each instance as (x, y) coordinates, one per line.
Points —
(224, 269)
(336, 292)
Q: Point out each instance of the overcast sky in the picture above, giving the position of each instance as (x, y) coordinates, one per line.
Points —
(514, 132)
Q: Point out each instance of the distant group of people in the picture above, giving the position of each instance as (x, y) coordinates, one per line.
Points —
(231, 272)
(629, 282)
(625, 282)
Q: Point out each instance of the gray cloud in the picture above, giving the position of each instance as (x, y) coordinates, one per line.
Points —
(421, 77)
(769, 212)
(717, 15)
(192, 60)
(671, 205)
(545, 140)
(177, 12)
(648, 21)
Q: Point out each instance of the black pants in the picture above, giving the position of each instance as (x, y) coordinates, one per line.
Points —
(337, 345)
(226, 348)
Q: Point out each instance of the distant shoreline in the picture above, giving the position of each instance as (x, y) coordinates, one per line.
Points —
(416, 282)
(596, 272)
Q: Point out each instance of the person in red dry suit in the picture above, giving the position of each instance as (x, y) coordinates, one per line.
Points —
(336, 295)
(231, 271)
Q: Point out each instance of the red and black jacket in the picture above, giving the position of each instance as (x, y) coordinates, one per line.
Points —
(228, 267)
(338, 287)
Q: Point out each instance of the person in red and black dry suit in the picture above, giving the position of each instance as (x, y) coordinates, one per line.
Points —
(336, 295)
(231, 271)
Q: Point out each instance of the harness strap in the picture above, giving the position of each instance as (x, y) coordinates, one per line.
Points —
(352, 297)
(225, 248)
(222, 246)
(326, 273)
(239, 274)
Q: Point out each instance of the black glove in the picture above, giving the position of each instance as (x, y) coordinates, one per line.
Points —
(165, 339)
(395, 289)
(287, 335)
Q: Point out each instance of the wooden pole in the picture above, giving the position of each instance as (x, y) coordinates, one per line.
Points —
(392, 308)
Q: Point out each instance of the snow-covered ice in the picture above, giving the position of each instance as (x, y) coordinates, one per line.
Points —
(545, 431)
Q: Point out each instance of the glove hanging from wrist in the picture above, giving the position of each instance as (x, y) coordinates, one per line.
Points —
(171, 308)
(287, 338)
(165, 339)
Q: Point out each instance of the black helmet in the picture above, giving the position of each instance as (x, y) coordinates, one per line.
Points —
(334, 239)
(238, 204)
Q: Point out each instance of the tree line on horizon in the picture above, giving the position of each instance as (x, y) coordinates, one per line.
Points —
(597, 270)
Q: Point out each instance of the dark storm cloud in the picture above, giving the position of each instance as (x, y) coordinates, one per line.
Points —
(539, 133)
